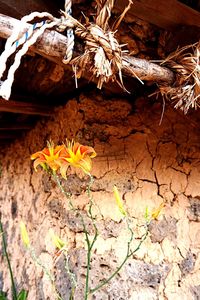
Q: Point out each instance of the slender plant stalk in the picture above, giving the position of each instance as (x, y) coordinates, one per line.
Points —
(89, 254)
(38, 261)
(14, 291)
(71, 276)
(88, 270)
(58, 181)
(91, 243)
(68, 196)
(128, 254)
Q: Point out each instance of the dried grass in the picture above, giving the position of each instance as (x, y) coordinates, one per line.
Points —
(103, 54)
(185, 63)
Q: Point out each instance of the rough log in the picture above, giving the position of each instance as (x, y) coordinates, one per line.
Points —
(24, 108)
(146, 70)
(52, 45)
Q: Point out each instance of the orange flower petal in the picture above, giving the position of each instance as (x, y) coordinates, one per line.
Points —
(38, 162)
(63, 170)
(86, 164)
(37, 154)
(61, 156)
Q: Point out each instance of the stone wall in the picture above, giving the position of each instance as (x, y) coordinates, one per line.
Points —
(149, 163)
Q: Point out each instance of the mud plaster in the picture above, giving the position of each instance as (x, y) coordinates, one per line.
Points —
(149, 163)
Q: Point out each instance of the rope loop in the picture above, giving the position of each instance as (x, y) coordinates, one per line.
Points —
(103, 54)
(21, 42)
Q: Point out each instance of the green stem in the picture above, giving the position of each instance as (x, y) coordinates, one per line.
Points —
(89, 244)
(88, 258)
(71, 276)
(87, 274)
(67, 195)
(38, 261)
(128, 254)
(14, 291)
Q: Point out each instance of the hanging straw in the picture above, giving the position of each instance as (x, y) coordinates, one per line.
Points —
(185, 63)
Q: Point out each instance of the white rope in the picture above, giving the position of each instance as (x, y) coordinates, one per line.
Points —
(70, 35)
(5, 88)
(15, 37)
(37, 14)
(12, 48)
(19, 38)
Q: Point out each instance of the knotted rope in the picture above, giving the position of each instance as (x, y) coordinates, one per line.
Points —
(185, 92)
(102, 56)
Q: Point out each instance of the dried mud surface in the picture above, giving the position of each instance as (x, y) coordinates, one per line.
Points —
(149, 163)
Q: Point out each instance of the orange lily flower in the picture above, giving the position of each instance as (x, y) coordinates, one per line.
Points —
(76, 155)
(47, 157)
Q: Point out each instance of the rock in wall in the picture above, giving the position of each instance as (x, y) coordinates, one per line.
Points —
(149, 163)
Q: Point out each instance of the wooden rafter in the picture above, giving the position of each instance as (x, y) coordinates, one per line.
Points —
(24, 108)
(52, 45)
(14, 127)
(168, 14)
(18, 9)
(8, 136)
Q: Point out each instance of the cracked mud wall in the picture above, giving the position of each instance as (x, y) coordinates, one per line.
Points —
(148, 163)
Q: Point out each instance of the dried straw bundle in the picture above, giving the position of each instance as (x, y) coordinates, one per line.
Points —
(103, 54)
(186, 89)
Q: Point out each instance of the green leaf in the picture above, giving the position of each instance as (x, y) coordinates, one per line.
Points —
(3, 296)
(22, 295)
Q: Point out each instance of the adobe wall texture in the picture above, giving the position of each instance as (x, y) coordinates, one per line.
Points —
(148, 163)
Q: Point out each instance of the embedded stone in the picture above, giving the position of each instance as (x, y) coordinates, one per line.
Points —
(159, 229)
(187, 264)
(194, 209)
(144, 274)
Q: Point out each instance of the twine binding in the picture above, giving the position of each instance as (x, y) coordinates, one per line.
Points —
(185, 92)
(103, 54)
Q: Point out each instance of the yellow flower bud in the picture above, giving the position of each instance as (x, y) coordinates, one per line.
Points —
(60, 244)
(156, 212)
(24, 234)
(119, 201)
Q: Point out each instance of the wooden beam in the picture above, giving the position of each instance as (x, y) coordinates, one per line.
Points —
(146, 70)
(20, 8)
(14, 127)
(8, 136)
(24, 108)
(168, 14)
(52, 45)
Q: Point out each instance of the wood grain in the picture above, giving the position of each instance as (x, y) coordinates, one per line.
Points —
(168, 14)
(24, 108)
(52, 45)
(20, 8)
